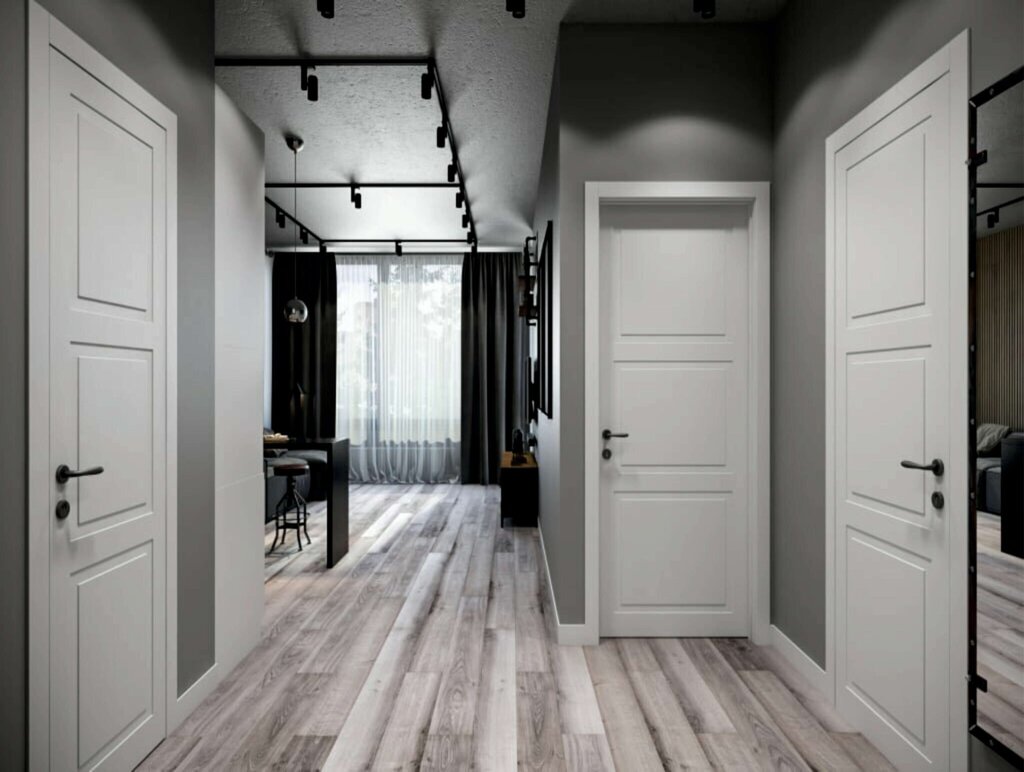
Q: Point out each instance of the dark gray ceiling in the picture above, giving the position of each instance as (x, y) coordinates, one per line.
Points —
(1001, 134)
(371, 125)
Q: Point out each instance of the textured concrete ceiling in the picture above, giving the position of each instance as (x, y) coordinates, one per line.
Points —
(371, 125)
(1001, 133)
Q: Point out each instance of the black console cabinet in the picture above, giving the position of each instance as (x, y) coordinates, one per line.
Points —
(520, 491)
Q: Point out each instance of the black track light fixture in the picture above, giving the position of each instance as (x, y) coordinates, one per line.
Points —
(356, 197)
(309, 82)
(427, 84)
(474, 247)
(516, 7)
(993, 219)
(459, 200)
(398, 248)
(705, 8)
(442, 136)
(453, 171)
(303, 235)
(323, 248)
(325, 8)
(465, 221)
(279, 217)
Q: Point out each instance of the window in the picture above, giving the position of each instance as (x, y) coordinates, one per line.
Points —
(399, 366)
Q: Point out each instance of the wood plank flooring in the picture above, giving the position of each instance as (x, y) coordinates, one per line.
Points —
(428, 648)
(1000, 637)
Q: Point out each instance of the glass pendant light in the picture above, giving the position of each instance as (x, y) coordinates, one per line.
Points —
(295, 311)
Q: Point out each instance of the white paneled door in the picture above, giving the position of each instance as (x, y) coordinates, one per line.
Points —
(108, 356)
(892, 210)
(675, 363)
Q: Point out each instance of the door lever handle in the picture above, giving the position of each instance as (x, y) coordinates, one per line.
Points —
(609, 434)
(936, 467)
(65, 473)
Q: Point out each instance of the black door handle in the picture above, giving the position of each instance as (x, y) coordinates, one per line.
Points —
(65, 473)
(609, 434)
(936, 467)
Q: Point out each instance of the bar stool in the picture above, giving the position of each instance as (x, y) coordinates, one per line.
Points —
(292, 469)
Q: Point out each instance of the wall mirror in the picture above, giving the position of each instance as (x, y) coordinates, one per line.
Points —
(996, 507)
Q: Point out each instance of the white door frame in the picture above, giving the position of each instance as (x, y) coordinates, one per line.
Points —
(953, 59)
(44, 32)
(757, 196)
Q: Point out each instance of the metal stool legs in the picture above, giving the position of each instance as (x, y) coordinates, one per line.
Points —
(292, 500)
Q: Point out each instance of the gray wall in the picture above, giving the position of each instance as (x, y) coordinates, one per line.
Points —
(13, 393)
(548, 439)
(239, 346)
(833, 59)
(684, 102)
(168, 49)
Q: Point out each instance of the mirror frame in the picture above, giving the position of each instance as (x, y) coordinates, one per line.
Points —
(974, 162)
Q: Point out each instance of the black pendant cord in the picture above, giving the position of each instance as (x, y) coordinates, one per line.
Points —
(295, 225)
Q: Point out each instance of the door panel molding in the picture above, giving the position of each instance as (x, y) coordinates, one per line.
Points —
(755, 195)
(47, 38)
(862, 337)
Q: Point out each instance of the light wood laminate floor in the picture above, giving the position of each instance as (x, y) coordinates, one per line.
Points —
(427, 647)
(1000, 637)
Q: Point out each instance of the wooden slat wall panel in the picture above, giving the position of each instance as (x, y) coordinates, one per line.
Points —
(1000, 327)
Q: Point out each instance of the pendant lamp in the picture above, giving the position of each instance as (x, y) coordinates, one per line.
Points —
(295, 311)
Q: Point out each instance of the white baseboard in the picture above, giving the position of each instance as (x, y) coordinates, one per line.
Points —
(181, 708)
(803, 664)
(565, 634)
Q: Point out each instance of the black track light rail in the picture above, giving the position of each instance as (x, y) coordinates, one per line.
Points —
(995, 209)
(393, 241)
(322, 61)
(288, 216)
(443, 103)
(348, 61)
(342, 185)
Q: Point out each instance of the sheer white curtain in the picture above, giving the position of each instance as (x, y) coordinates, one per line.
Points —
(399, 366)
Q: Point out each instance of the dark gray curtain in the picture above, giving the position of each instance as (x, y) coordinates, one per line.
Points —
(494, 341)
(305, 355)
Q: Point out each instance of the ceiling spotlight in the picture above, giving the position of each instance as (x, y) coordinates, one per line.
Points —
(459, 200)
(442, 136)
(304, 235)
(323, 248)
(516, 7)
(398, 248)
(465, 221)
(474, 247)
(426, 84)
(452, 171)
(356, 197)
(309, 83)
(706, 8)
(279, 218)
(325, 8)
(993, 219)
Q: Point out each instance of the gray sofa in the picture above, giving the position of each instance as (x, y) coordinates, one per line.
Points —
(989, 472)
